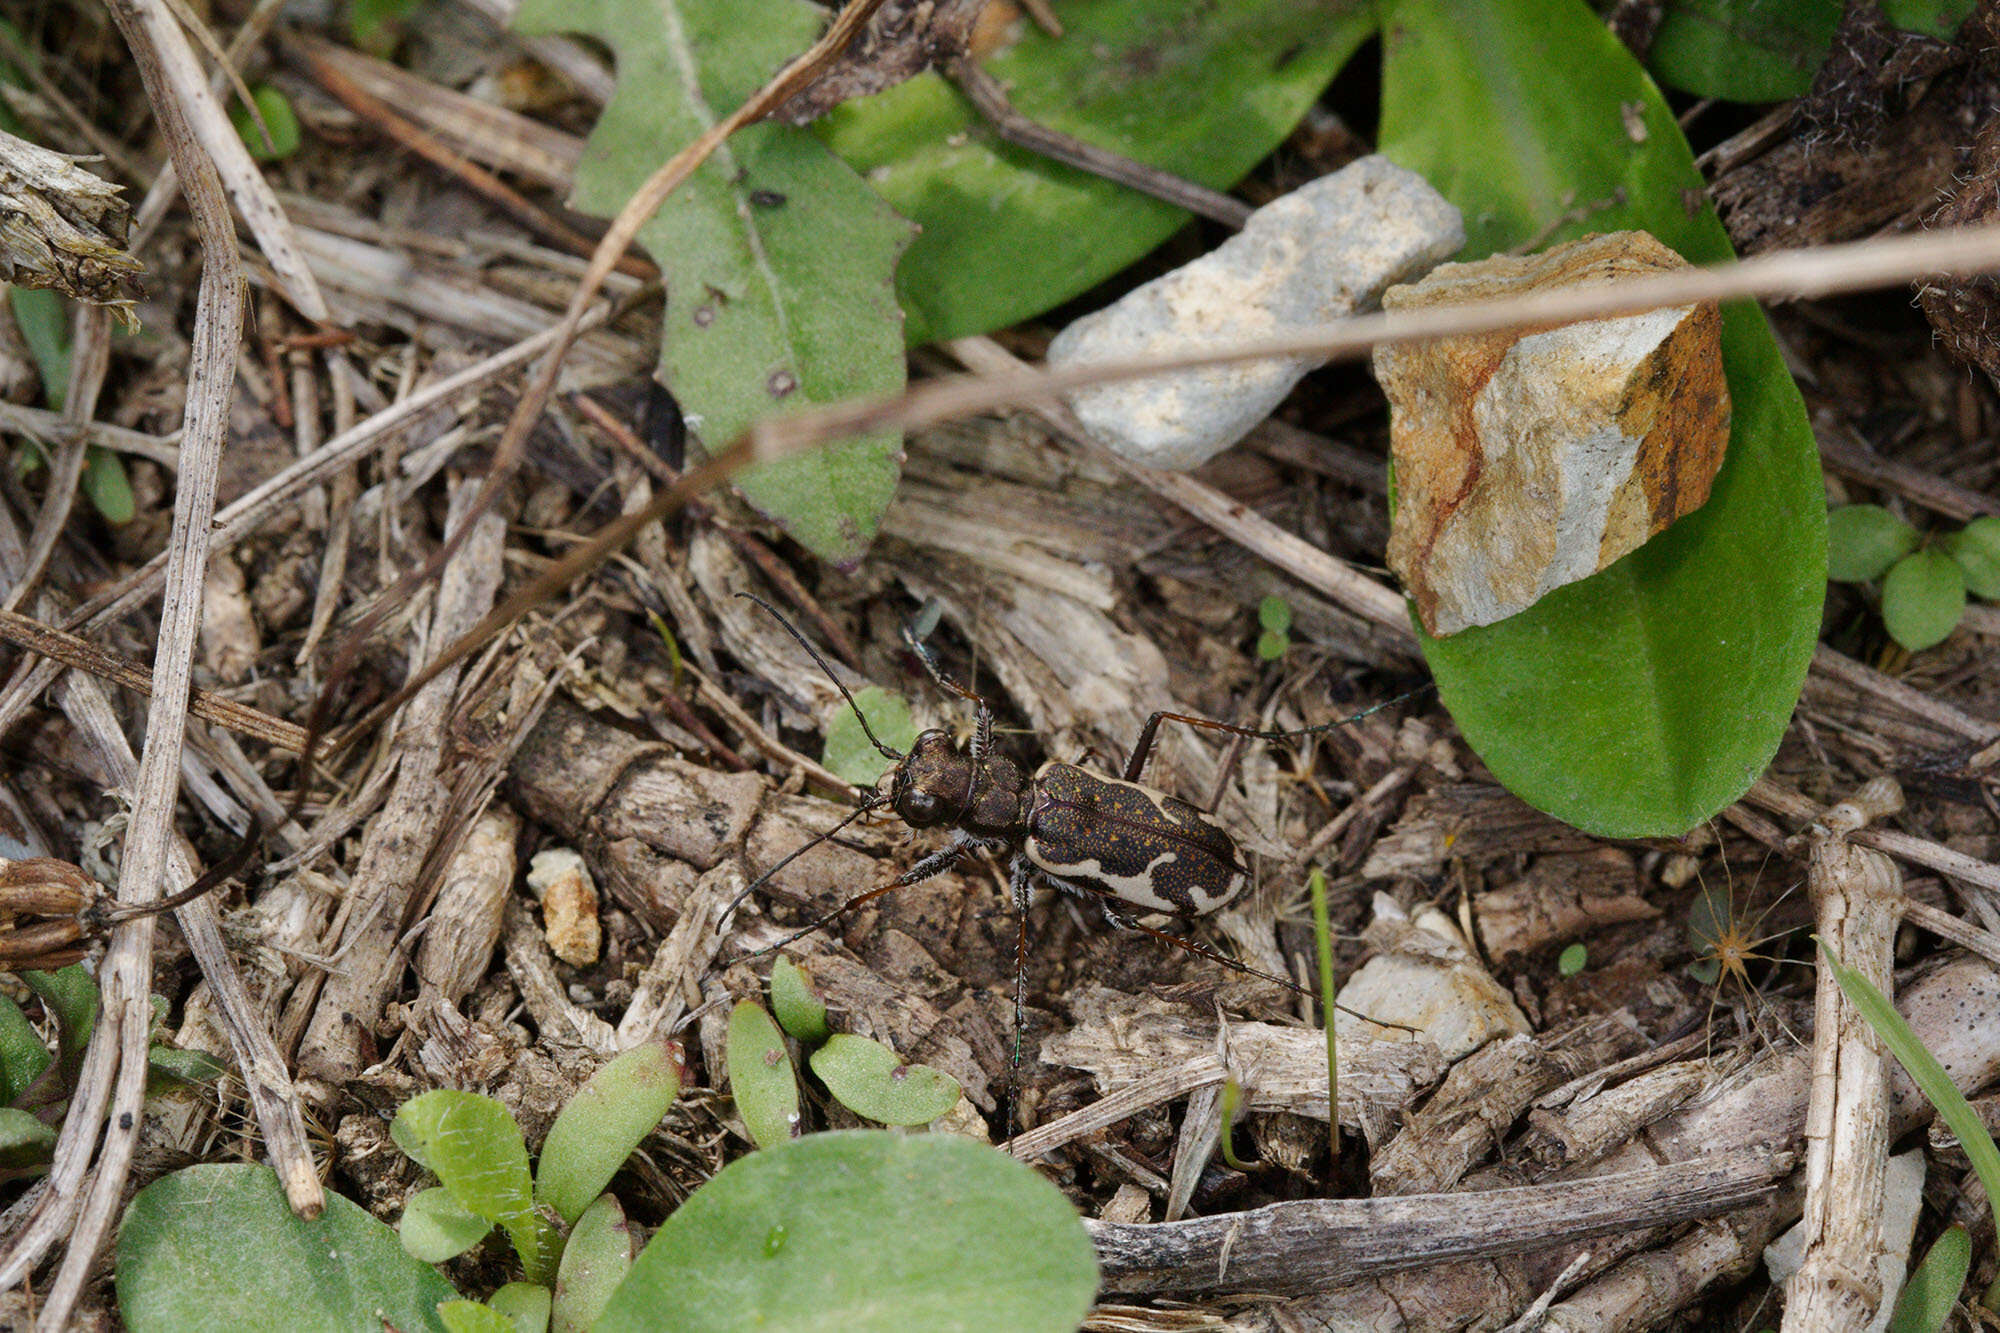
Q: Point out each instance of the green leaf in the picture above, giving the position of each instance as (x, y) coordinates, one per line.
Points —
(525, 1306)
(779, 260)
(1271, 645)
(1641, 700)
(1743, 50)
(1274, 613)
(43, 319)
(279, 119)
(215, 1246)
(168, 1067)
(600, 1126)
(70, 996)
(760, 1076)
(863, 1231)
(22, 1054)
(1923, 598)
(434, 1228)
(1932, 18)
(472, 1317)
(1931, 1293)
(1924, 1071)
(1203, 90)
(471, 1143)
(375, 25)
(1572, 960)
(872, 1081)
(1862, 541)
(595, 1260)
(1323, 947)
(797, 1006)
(850, 754)
(1977, 553)
(26, 1144)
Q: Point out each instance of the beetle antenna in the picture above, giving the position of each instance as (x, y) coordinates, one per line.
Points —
(872, 802)
(930, 664)
(859, 716)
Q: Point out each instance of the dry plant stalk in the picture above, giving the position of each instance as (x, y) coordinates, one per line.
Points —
(1855, 892)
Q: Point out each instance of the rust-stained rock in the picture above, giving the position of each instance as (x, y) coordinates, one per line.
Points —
(1528, 461)
(559, 878)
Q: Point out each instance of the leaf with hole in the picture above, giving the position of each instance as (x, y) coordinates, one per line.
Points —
(1976, 551)
(797, 1006)
(471, 1143)
(779, 260)
(760, 1076)
(1862, 541)
(1643, 699)
(215, 1246)
(848, 751)
(865, 1231)
(1923, 599)
(1205, 91)
(601, 1125)
(872, 1081)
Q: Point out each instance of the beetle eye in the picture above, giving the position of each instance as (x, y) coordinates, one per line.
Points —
(919, 806)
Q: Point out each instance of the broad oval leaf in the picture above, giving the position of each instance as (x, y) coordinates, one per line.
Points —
(1862, 541)
(1203, 90)
(760, 1076)
(849, 752)
(600, 1126)
(216, 1247)
(795, 1004)
(472, 1317)
(595, 1260)
(471, 1143)
(524, 1305)
(1742, 50)
(872, 1081)
(22, 1055)
(1977, 553)
(434, 1228)
(1641, 700)
(863, 1231)
(779, 260)
(1923, 599)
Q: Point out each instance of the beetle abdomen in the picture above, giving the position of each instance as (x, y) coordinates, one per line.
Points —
(1130, 841)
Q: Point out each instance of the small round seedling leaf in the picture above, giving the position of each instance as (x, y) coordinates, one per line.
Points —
(760, 1076)
(275, 110)
(1931, 1294)
(850, 754)
(864, 1231)
(1977, 553)
(1271, 645)
(215, 1246)
(1274, 613)
(1862, 541)
(524, 1305)
(472, 1317)
(798, 1009)
(1572, 960)
(434, 1228)
(1923, 598)
(471, 1143)
(594, 1262)
(600, 1126)
(109, 489)
(872, 1081)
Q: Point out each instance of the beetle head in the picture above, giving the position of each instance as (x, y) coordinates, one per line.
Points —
(932, 785)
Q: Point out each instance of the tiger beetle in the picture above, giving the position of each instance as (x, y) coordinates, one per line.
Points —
(1129, 847)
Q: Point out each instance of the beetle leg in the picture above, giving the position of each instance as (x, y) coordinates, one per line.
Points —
(935, 864)
(1144, 747)
(1020, 876)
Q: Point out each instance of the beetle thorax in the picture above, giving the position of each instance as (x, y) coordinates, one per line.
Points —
(939, 784)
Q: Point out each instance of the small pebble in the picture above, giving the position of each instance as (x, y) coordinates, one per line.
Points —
(1327, 250)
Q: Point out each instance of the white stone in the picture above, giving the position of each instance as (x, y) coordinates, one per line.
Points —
(1326, 250)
